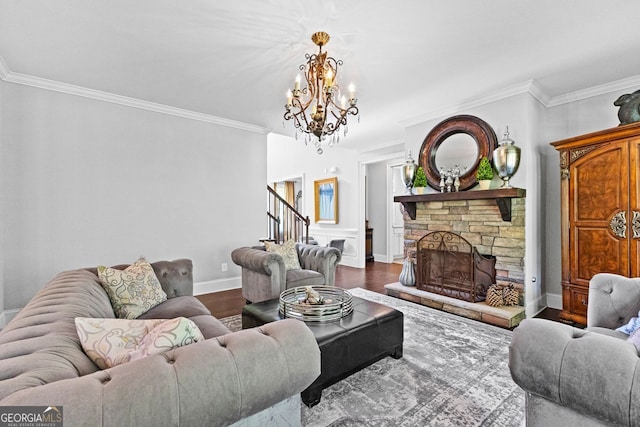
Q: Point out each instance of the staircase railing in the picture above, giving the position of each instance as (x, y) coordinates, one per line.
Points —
(284, 222)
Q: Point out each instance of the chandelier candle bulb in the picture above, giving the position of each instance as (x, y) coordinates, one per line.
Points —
(328, 78)
(297, 83)
(289, 98)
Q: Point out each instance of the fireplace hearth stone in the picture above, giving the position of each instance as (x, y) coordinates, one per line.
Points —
(506, 316)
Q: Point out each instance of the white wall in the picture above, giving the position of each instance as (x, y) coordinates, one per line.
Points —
(287, 157)
(87, 182)
(565, 121)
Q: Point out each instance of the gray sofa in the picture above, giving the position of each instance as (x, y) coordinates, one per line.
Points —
(249, 377)
(264, 276)
(576, 377)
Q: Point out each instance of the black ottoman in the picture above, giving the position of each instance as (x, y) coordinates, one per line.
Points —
(371, 332)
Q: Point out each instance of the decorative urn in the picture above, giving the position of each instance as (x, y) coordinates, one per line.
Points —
(506, 158)
(409, 173)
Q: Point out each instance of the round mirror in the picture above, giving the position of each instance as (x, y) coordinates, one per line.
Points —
(458, 149)
(463, 140)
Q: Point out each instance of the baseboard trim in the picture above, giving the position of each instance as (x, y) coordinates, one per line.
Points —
(349, 261)
(382, 258)
(554, 301)
(217, 285)
(534, 307)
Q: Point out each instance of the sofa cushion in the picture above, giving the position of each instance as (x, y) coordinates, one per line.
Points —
(287, 251)
(132, 291)
(111, 342)
(191, 308)
(210, 326)
(297, 278)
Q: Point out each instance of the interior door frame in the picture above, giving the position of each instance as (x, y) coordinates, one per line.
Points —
(362, 198)
(391, 206)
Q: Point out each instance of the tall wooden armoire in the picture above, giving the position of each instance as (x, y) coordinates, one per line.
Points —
(600, 211)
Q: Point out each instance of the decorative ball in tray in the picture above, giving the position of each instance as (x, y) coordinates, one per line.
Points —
(316, 303)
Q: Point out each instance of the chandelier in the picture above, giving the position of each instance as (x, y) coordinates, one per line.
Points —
(320, 108)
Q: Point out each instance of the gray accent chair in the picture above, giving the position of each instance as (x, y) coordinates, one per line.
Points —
(577, 377)
(264, 276)
(338, 244)
(244, 378)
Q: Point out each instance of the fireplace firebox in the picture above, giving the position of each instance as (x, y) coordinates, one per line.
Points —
(447, 264)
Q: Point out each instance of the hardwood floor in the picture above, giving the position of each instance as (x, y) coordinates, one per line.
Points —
(373, 278)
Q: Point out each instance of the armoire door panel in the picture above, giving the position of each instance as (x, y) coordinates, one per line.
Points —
(599, 183)
(599, 188)
(597, 250)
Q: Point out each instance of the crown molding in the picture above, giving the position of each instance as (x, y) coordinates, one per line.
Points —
(538, 93)
(602, 89)
(69, 89)
(391, 144)
(530, 86)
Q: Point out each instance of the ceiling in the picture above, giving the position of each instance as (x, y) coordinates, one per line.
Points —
(236, 59)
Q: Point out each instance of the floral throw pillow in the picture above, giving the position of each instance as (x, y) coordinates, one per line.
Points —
(287, 251)
(111, 342)
(132, 291)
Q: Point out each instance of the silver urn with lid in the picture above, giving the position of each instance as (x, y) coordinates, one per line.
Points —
(506, 159)
(409, 173)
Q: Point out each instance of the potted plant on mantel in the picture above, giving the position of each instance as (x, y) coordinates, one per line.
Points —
(484, 175)
(420, 181)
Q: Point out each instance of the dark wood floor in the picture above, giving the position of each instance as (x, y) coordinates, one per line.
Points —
(373, 278)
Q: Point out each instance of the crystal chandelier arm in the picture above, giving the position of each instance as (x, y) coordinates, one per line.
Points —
(297, 122)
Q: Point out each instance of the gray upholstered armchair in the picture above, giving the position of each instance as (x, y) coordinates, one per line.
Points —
(582, 377)
(264, 276)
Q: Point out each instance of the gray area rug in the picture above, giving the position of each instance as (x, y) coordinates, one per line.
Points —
(453, 373)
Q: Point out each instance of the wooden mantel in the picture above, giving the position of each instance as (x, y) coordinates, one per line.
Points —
(502, 196)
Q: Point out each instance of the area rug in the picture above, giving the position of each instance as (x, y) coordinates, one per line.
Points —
(453, 373)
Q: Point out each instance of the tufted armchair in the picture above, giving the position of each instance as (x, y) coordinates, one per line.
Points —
(264, 276)
(582, 377)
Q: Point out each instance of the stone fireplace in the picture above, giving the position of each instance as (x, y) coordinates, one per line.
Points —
(487, 222)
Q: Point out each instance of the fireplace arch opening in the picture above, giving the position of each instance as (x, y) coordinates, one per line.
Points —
(447, 264)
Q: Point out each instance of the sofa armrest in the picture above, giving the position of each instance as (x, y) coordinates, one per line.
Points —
(258, 261)
(322, 259)
(613, 300)
(591, 373)
(213, 382)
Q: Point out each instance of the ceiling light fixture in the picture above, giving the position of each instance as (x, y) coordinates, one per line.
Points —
(320, 108)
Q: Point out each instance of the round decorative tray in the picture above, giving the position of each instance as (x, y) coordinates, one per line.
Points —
(337, 303)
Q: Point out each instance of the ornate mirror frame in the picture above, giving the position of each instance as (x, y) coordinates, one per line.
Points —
(477, 128)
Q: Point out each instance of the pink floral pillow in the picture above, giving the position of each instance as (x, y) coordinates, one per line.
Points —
(111, 342)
